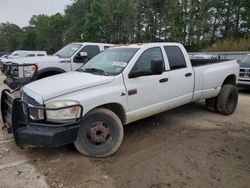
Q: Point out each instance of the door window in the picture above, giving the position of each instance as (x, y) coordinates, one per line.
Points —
(144, 62)
(92, 50)
(175, 57)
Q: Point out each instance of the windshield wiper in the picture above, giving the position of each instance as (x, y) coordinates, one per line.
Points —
(94, 70)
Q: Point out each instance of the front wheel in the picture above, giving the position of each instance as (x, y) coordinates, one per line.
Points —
(100, 133)
(227, 100)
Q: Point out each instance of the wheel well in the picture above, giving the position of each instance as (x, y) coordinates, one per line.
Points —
(47, 74)
(231, 79)
(117, 109)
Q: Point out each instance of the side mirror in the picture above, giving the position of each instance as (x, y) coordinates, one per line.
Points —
(83, 54)
(157, 66)
(81, 57)
(156, 69)
(139, 73)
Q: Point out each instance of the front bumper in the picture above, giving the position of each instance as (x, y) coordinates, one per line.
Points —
(243, 82)
(14, 81)
(15, 115)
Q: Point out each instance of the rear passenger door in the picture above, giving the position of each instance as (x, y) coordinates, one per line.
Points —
(78, 61)
(180, 76)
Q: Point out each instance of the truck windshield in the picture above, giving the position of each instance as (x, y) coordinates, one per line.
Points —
(109, 62)
(68, 51)
(245, 60)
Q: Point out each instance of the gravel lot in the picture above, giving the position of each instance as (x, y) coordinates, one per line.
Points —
(185, 147)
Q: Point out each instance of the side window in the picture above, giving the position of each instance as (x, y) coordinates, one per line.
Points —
(31, 55)
(40, 55)
(92, 50)
(144, 61)
(175, 57)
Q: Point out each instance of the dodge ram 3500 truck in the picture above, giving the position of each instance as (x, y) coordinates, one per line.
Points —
(121, 85)
(22, 71)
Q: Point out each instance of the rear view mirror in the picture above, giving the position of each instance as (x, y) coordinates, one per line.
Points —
(157, 66)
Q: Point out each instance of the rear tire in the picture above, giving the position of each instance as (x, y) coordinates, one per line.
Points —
(211, 104)
(100, 133)
(227, 100)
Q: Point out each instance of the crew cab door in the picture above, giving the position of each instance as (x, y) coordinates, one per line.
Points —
(147, 94)
(78, 60)
(180, 75)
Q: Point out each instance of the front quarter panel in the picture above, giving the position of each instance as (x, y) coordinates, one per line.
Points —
(93, 97)
(63, 65)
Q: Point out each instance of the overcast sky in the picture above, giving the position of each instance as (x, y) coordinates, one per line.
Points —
(20, 11)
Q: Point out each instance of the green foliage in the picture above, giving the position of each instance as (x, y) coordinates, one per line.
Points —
(229, 45)
(10, 37)
(197, 24)
(75, 18)
(48, 31)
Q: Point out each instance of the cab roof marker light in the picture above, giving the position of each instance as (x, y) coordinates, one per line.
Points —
(139, 44)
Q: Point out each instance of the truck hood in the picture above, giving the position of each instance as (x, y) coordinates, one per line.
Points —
(63, 84)
(36, 60)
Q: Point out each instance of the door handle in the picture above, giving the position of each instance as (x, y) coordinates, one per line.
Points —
(163, 80)
(188, 74)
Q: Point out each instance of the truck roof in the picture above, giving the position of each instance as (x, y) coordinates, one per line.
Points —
(140, 45)
(26, 52)
(91, 43)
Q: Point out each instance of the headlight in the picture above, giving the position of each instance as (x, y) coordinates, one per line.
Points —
(28, 71)
(62, 115)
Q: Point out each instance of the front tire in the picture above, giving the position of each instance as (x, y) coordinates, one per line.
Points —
(227, 99)
(100, 133)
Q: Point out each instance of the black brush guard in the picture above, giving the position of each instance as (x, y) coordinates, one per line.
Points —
(14, 81)
(40, 133)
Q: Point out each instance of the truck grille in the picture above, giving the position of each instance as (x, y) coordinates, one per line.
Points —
(245, 72)
(32, 102)
(10, 69)
(14, 71)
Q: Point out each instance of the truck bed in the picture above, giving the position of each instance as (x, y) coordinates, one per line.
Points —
(201, 62)
(210, 75)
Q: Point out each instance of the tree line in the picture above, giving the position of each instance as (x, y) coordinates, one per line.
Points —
(197, 24)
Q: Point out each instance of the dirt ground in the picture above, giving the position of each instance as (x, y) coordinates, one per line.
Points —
(187, 147)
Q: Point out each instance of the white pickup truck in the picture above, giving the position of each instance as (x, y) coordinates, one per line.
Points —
(25, 70)
(121, 85)
(21, 54)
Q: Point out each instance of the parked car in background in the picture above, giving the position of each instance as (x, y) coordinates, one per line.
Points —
(89, 107)
(21, 54)
(244, 80)
(25, 70)
(2, 58)
(26, 53)
(2, 54)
